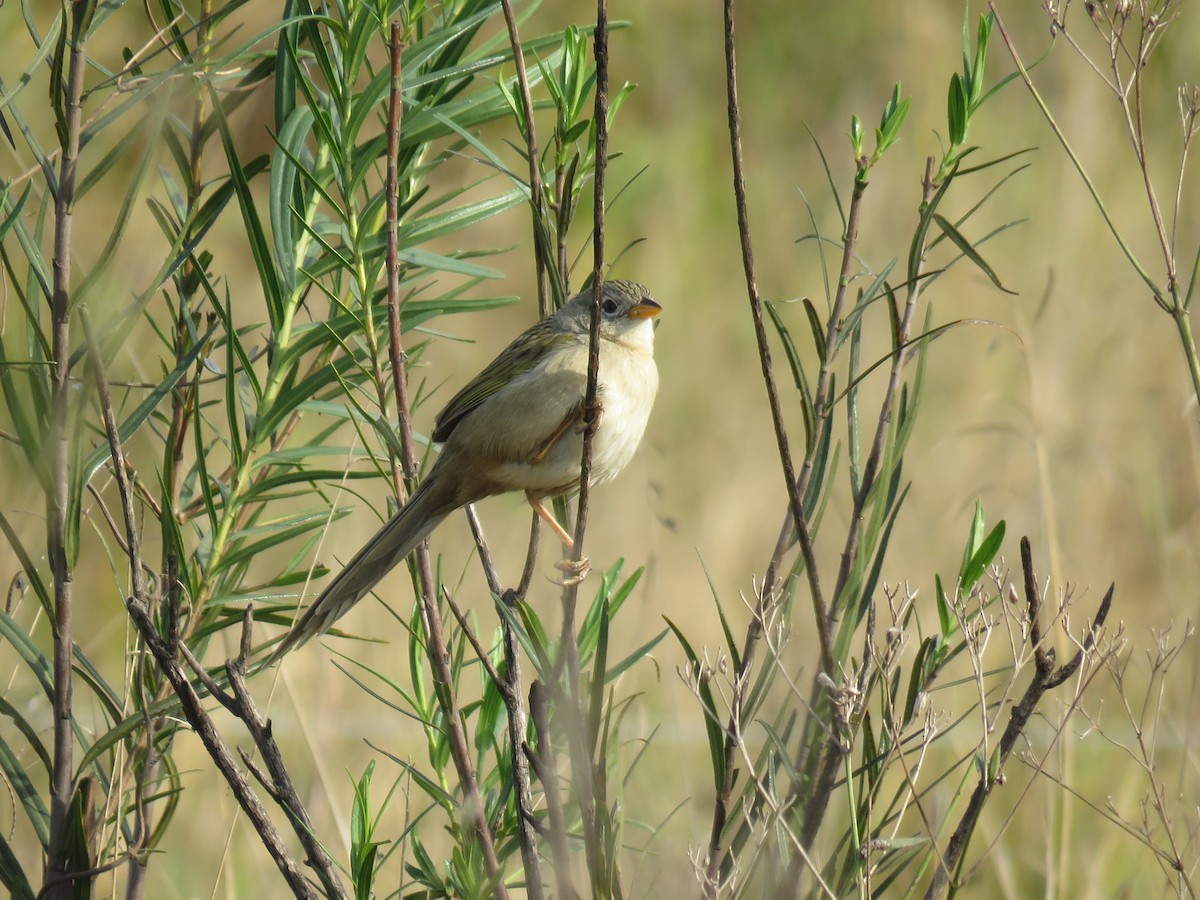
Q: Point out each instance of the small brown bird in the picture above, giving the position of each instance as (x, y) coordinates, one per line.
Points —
(516, 427)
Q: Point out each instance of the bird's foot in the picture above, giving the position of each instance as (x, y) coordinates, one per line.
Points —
(574, 571)
(592, 422)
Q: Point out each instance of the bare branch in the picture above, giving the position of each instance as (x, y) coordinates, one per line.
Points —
(1045, 678)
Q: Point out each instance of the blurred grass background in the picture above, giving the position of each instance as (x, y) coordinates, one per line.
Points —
(1073, 422)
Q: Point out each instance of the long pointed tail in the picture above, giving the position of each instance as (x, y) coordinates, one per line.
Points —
(383, 552)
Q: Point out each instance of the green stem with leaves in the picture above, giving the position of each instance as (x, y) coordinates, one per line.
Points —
(276, 375)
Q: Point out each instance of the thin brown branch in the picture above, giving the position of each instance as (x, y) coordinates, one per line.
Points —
(716, 855)
(1045, 677)
(193, 711)
(282, 788)
(396, 352)
(583, 766)
(165, 654)
(518, 728)
(509, 686)
(481, 652)
(108, 519)
(483, 551)
(435, 644)
(547, 771)
(535, 529)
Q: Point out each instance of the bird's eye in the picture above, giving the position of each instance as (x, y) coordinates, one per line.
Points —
(609, 306)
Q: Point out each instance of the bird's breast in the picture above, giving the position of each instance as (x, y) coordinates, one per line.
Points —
(628, 384)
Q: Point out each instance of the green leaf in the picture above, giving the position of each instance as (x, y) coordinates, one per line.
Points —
(875, 291)
(957, 113)
(974, 539)
(27, 795)
(599, 678)
(255, 235)
(917, 677)
(276, 532)
(14, 214)
(420, 229)
(287, 70)
(872, 759)
(798, 376)
(916, 246)
(615, 672)
(892, 514)
(894, 113)
(77, 854)
(12, 876)
(588, 633)
(27, 411)
(945, 615)
(981, 48)
(29, 569)
(969, 251)
(362, 849)
(134, 724)
(982, 558)
(103, 691)
(817, 329)
(32, 740)
(712, 726)
(731, 645)
(427, 259)
(285, 192)
(41, 670)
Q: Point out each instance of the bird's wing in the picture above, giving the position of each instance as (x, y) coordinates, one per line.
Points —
(520, 357)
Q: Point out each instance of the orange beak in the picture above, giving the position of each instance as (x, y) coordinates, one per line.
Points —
(647, 309)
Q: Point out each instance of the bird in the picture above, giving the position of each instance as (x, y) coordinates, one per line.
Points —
(518, 426)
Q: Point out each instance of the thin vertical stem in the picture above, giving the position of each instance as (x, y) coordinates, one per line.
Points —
(715, 855)
(795, 499)
(510, 688)
(173, 450)
(436, 649)
(396, 352)
(584, 767)
(60, 457)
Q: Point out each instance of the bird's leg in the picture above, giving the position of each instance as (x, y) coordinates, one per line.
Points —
(574, 570)
(548, 518)
(572, 419)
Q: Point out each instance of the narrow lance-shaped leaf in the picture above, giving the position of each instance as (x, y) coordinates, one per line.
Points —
(285, 192)
(983, 557)
(26, 794)
(263, 258)
(798, 376)
(969, 251)
(712, 727)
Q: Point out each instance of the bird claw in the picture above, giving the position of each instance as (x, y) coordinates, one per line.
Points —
(574, 571)
(592, 422)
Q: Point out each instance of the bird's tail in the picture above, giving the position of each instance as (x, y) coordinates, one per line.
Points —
(383, 552)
